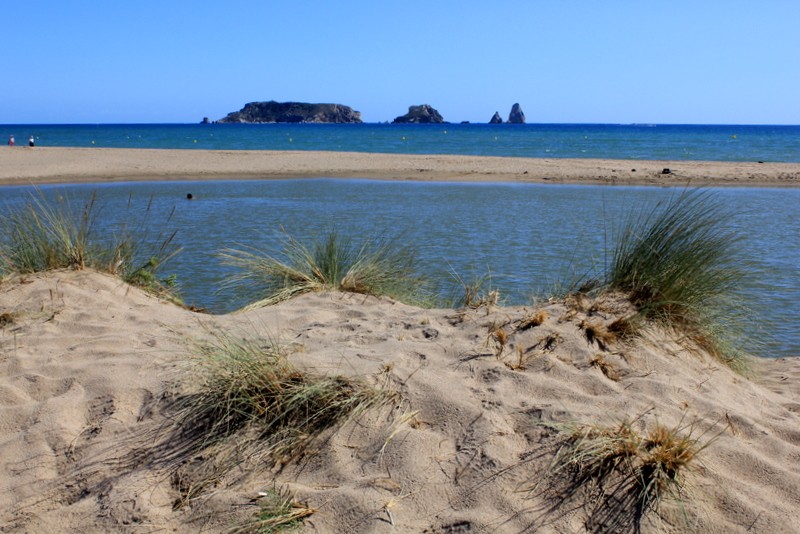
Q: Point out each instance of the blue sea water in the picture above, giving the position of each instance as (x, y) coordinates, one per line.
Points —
(613, 141)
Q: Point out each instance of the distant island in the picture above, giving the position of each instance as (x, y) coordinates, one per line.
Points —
(423, 114)
(293, 112)
(304, 112)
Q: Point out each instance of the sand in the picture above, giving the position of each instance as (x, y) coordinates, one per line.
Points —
(86, 362)
(22, 165)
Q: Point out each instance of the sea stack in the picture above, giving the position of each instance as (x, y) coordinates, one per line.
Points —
(423, 114)
(496, 119)
(516, 116)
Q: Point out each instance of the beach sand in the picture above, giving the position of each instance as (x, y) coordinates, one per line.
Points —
(88, 361)
(22, 165)
(88, 365)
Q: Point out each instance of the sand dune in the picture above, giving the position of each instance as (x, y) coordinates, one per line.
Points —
(86, 362)
(69, 165)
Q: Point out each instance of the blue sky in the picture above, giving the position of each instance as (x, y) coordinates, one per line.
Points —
(649, 61)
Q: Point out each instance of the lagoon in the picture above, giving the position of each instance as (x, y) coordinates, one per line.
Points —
(529, 238)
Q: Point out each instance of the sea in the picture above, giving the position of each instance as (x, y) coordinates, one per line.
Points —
(526, 240)
(613, 141)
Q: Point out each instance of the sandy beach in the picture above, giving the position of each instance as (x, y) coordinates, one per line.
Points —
(480, 403)
(88, 364)
(21, 165)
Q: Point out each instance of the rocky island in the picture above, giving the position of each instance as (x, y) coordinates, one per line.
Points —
(423, 114)
(293, 112)
(516, 116)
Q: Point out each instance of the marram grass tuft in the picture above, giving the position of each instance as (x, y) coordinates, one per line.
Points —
(680, 265)
(377, 267)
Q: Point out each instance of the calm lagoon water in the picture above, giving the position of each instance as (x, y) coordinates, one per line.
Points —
(528, 236)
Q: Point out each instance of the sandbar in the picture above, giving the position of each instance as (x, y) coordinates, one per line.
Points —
(48, 165)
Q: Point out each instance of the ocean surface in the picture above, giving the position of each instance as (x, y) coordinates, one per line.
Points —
(528, 238)
(614, 141)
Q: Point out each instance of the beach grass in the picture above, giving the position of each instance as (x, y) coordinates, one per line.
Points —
(379, 267)
(476, 292)
(679, 264)
(627, 473)
(278, 511)
(248, 394)
(44, 235)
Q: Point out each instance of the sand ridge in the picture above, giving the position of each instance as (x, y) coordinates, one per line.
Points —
(85, 360)
(23, 166)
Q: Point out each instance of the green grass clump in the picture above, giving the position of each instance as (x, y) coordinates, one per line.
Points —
(679, 265)
(248, 392)
(146, 277)
(277, 512)
(44, 235)
(376, 267)
(475, 293)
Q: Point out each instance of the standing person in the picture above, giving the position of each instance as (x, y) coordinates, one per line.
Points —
(10, 140)
(30, 141)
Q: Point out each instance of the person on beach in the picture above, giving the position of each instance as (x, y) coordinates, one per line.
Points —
(10, 140)
(30, 141)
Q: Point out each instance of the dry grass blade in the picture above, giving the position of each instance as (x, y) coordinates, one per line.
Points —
(521, 361)
(500, 338)
(406, 419)
(627, 473)
(7, 318)
(594, 452)
(666, 456)
(597, 332)
(605, 367)
(532, 320)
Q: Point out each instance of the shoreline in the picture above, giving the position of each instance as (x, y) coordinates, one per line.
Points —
(66, 165)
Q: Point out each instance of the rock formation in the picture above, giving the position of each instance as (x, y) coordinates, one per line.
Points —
(516, 116)
(423, 114)
(496, 118)
(267, 112)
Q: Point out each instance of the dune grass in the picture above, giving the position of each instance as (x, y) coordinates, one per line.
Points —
(628, 473)
(247, 396)
(476, 292)
(680, 266)
(44, 235)
(41, 236)
(379, 267)
(278, 511)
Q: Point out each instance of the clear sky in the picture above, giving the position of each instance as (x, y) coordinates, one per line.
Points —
(610, 61)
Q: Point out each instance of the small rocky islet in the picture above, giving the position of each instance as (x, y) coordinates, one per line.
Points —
(292, 112)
